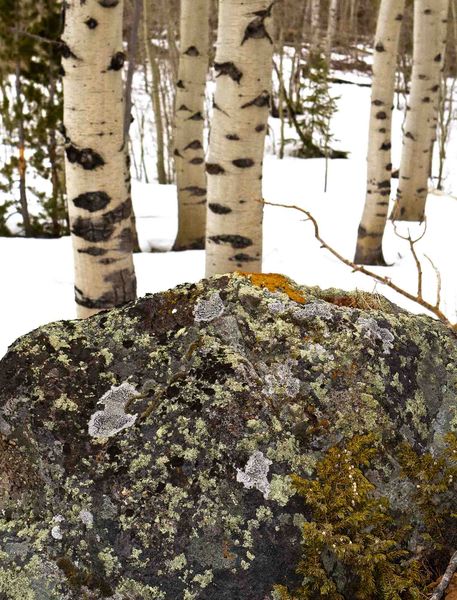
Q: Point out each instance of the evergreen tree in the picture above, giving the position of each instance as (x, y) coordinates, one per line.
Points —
(30, 113)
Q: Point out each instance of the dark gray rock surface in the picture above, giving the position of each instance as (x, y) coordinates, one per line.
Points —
(145, 453)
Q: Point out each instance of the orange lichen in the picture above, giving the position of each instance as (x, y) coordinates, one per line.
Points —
(274, 282)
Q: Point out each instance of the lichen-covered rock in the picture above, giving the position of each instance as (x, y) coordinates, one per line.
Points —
(147, 452)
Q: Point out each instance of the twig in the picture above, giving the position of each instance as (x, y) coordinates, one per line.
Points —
(34, 36)
(412, 244)
(446, 579)
(434, 309)
(438, 280)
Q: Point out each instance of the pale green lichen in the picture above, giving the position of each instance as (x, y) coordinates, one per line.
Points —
(63, 402)
(281, 489)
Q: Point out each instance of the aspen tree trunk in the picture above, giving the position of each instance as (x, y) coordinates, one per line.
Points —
(155, 94)
(331, 28)
(371, 228)
(98, 201)
(316, 34)
(441, 49)
(189, 122)
(421, 113)
(241, 106)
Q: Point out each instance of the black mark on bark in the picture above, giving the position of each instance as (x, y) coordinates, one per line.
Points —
(219, 209)
(256, 28)
(125, 240)
(243, 258)
(386, 146)
(243, 163)
(184, 107)
(87, 158)
(217, 107)
(232, 137)
(195, 190)
(192, 51)
(108, 3)
(101, 229)
(108, 261)
(261, 100)
(236, 241)
(214, 169)
(92, 201)
(379, 47)
(259, 128)
(381, 115)
(180, 84)
(230, 69)
(93, 251)
(196, 117)
(197, 161)
(384, 184)
(123, 290)
(117, 62)
(91, 23)
(66, 52)
(195, 145)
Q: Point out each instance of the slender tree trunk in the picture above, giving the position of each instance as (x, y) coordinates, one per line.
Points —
(189, 121)
(242, 99)
(316, 33)
(371, 229)
(441, 49)
(21, 162)
(55, 176)
(132, 53)
(422, 106)
(331, 28)
(98, 201)
(281, 99)
(155, 94)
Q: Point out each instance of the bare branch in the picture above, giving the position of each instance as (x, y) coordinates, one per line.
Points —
(412, 248)
(438, 280)
(34, 36)
(446, 579)
(435, 310)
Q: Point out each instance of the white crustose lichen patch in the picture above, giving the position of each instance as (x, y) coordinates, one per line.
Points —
(373, 331)
(255, 473)
(87, 518)
(111, 420)
(208, 310)
(56, 532)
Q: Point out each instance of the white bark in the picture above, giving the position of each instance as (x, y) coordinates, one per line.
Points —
(331, 28)
(98, 202)
(316, 34)
(241, 105)
(371, 229)
(421, 117)
(189, 121)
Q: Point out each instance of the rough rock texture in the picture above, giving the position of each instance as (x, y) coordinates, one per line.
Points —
(145, 453)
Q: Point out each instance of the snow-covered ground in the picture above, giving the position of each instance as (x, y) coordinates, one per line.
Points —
(37, 274)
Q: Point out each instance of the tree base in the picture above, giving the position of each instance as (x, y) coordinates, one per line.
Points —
(368, 256)
(198, 244)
